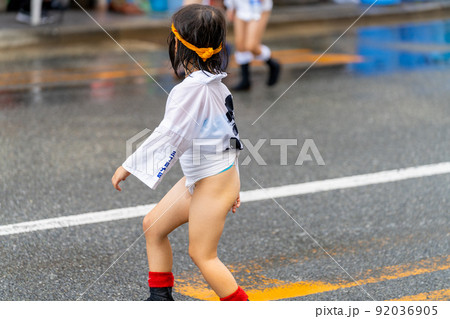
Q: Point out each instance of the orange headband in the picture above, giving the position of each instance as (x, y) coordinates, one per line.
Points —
(204, 53)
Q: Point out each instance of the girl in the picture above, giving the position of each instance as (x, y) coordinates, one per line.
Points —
(250, 21)
(198, 129)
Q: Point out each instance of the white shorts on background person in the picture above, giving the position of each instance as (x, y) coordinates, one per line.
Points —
(249, 10)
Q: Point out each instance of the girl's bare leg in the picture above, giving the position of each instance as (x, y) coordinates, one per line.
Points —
(171, 212)
(212, 200)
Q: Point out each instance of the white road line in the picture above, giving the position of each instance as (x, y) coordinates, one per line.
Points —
(76, 220)
(347, 182)
(247, 196)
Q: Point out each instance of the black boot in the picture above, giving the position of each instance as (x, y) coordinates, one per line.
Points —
(274, 71)
(244, 85)
(160, 294)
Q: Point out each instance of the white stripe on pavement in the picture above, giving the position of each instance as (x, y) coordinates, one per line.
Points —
(247, 196)
(346, 182)
(75, 220)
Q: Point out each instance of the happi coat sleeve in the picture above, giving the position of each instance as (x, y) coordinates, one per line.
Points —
(174, 135)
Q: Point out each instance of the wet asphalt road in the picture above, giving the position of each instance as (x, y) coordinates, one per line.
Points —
(60, 145)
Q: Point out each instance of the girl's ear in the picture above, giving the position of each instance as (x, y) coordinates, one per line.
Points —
(176, 45)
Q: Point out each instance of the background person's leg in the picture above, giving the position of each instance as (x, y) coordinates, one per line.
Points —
(255, 33)
(242, 56)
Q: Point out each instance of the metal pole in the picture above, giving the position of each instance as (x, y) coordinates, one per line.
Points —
(36, 7)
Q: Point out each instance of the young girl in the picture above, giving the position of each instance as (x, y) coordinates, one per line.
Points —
(250, 20)
(198, 129)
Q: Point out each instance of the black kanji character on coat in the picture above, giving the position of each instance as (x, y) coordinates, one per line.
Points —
(234, 142)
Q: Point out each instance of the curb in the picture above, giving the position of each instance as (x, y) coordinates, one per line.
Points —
(82, 29)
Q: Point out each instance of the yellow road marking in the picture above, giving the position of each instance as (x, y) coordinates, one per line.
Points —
(306, 58)
(69, 75)
(55, 77)
(272, 289)
(443, 294)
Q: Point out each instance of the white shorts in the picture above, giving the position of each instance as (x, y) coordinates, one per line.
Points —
(251, 10)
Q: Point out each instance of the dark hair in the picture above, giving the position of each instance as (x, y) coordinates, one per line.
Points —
(202, 26)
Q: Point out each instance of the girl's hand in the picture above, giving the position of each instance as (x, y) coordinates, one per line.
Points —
(121, 174)
(236, 204)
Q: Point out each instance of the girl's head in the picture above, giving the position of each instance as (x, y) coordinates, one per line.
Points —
(204, 27)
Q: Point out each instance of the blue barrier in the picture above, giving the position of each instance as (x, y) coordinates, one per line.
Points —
(159, 5)
(174, 5)
(381, 2)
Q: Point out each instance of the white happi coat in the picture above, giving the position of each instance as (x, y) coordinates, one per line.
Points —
(198, 129)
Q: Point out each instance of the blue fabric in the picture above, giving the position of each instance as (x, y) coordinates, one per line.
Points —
(226, 169)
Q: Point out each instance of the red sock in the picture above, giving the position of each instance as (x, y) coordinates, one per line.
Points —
(238, 295)
(160, 279)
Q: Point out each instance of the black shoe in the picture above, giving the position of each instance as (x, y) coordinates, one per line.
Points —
(160, 294)
(274, 71)
(244, 85)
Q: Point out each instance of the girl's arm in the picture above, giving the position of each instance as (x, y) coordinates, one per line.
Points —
(157, 155)
(159, 152)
